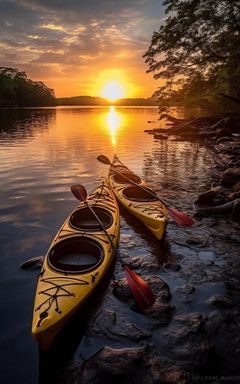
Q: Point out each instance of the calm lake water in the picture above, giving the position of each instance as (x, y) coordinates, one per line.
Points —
(42, 153)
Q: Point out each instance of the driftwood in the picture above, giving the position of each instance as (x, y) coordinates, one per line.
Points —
(205, 127)
(222, 132)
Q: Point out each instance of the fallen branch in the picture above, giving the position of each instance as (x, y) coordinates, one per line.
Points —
(234, 99)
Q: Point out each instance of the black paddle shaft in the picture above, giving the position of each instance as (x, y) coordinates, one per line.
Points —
(106, 233)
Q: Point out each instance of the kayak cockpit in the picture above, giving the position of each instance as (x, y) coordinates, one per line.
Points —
(136, 194)
(83, 219)
(75, 255)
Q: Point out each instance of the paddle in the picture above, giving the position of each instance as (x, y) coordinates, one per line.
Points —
(180, 218)
(140, 290)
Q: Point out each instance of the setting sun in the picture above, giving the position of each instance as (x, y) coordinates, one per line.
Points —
(112, 91)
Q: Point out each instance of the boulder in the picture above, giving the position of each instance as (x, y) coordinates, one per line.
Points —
(214, 196)
(129, 365)
(221, 301)
(234, 196)
(186, 289)
(236, 187)
(190, 341)
(230, 177)
(161, 310)
(115, 327)
(112, 365)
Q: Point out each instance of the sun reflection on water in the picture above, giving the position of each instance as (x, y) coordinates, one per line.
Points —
(114, 121)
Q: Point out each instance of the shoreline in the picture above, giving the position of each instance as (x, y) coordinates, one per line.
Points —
(221, 134)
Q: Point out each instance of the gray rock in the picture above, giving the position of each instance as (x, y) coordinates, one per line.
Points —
(160, 312)
(234, 196)
(220, 301)
(214, 196)
(115, 327)
(172, 266)
(112, 365)
(160, 288)
(230, 177)
(194, 240)
(187, 289)
(162, 372)
(207, 256)
(33, 263)
(190, 342)
(236, 187)
(129, 366)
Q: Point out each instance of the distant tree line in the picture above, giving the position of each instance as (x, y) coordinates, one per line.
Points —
(196, 54)
(91, 100)
(17, 90)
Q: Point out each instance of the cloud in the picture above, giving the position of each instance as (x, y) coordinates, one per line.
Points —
(74, 34)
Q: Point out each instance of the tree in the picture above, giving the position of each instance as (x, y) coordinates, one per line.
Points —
(199, 43)
(17, 90)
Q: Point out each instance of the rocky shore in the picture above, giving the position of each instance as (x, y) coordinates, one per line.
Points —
(222, 134)
(192, 330)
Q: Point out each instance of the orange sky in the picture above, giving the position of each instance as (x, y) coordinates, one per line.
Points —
(77, 46)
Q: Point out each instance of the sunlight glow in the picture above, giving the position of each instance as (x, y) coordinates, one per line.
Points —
(113, 84)
(112, 91)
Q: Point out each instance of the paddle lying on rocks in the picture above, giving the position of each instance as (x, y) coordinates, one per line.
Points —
(180, 218)
(140, 290)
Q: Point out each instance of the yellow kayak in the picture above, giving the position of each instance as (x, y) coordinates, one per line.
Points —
(145, 206)
(75, 263)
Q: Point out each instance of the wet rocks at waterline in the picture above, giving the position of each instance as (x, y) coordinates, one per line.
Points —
(188, 342)
(221, 133)
(161, 310)
(224, 198)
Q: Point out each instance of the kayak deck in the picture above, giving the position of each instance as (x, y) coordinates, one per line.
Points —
(76, 262)
(142, 203)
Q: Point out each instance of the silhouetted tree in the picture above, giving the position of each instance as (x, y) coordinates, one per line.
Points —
(17, 90)
(197, 50)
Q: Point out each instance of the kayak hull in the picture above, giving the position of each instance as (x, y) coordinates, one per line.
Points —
(147, 208)
(75, 263)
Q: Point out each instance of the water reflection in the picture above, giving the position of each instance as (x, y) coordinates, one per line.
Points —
(43, 152)
(114, 122)
(173, 168)
(23, 122)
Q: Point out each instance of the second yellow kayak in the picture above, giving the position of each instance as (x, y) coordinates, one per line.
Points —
(146, 207)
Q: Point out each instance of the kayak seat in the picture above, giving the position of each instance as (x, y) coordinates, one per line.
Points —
(136, 194)
(84, 219)
(121, 180)
(75, 255)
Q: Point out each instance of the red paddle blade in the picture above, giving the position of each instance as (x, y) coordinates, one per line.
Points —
(79, 192)
(180, 218)
(141, 291)
(104, 159)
